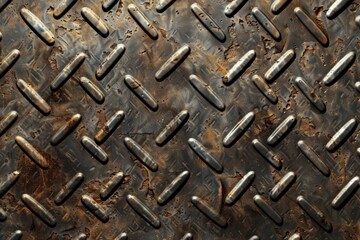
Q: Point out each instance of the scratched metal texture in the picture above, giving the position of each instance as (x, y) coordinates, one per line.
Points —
(212, 53)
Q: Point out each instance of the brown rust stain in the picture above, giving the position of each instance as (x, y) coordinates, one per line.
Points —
(101, 119)
(307, 127)
(47, 179)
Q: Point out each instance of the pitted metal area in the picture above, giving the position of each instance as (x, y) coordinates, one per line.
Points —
(179, 119)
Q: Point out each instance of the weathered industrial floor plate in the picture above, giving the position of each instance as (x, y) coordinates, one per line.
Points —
(179, 119)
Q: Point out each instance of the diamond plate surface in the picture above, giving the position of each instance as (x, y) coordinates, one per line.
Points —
(179, 119)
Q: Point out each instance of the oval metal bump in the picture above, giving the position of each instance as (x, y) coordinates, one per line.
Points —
(310, 95)
(69, 189)
(31, 152)
(173, 187)
(278, 5)
(143, 21)
(204, 154)
(266, 153)
(207, 92)
(38, 27)
(187, 236)
(314, 213)
(282, 186)
(143, 94)
(313, 28)
(145, 212)
(111, 186)
(266, 23)
(314, 158)
(68, 71)
(233, 7)
(268, 210)
(91, 89)
(342, 135)
(240, 188)
(107, 5)
(280, 65)
(95, 21)
(280, 132)
(65, 130)
(239, 67)
(346, 193)
(122, 236)
(39, 210)
(163, 5)
(339, 69)
(140, 153)
(3, 215)
(172, 128)
(109, 127)
(357, 86)
(209, 211)
(336, 8)
(94, 149)
(95, 208)
(9, 61)
(81, 236)
(260, 83)
(7, 121)
(255, 237)
(63, 7)
(208, 22)
(110, 61)
(238, 130)
(8, 181)
(173, 62)
(357, 21)
(33, 97)
(295, 236)
(17, 235)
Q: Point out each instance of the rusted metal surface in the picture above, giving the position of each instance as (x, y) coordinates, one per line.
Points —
(179, 119)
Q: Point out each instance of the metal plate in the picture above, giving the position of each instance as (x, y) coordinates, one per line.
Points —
(179, 119)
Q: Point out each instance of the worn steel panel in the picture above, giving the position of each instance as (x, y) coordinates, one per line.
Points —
(179, 119)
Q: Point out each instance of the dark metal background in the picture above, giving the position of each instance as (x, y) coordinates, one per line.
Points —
(211, 56)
